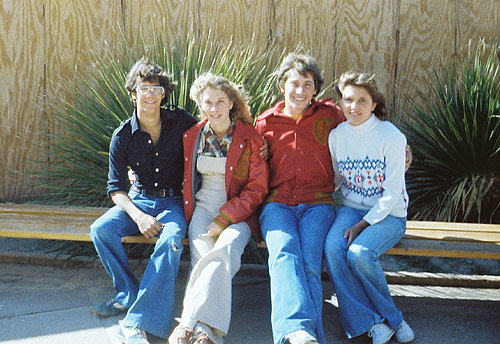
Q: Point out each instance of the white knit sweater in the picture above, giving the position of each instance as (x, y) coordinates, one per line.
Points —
(369, 165)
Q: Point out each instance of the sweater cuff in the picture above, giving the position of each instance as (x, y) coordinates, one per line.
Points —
(222, 220)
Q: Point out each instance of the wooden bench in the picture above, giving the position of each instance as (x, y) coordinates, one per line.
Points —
(422, 238)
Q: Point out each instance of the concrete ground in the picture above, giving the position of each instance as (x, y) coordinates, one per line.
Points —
(44, 299)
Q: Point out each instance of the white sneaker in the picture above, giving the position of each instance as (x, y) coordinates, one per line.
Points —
(404, 334)
(301, 337)
(132, 335)
(380, 333)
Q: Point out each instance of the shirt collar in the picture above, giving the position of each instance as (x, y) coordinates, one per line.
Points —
(164, 114)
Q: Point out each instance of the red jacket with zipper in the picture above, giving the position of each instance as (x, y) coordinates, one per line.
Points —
(246, 175)
(299, 158)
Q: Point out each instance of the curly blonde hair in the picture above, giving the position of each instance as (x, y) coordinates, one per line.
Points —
(235, 93)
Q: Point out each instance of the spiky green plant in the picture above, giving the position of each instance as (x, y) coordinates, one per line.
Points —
(77, 170)
(455, 136)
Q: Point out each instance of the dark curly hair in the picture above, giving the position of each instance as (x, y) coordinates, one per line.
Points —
(144, 70)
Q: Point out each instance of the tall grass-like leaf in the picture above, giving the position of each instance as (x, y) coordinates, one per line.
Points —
(455, 136)
(78, 166)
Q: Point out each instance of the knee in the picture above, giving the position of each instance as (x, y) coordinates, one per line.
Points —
(168, 242)
(359, 257)
(335, 247)
(97, 232)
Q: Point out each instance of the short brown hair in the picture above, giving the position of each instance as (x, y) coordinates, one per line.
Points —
(367, 81)
(303, 64)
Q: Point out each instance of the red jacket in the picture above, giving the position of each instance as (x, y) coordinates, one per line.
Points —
(246, 177)
(299, 160)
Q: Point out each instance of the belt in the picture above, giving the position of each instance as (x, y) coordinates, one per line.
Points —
(165, 192)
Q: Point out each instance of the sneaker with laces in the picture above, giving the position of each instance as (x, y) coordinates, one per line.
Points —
(181, 335)
(404, 334)
(108, 309)
(201, 337)
(380, 333)
(132, 334)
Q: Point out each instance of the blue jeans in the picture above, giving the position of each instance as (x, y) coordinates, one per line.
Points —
(150, 302)
(357, 276)
(295, 237)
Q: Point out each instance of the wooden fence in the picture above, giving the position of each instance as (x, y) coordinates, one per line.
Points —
(45, 41)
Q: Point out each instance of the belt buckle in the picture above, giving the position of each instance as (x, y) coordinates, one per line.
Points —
(162, 192)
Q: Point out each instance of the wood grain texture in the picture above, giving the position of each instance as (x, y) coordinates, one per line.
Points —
(366, 40)
(310, 25)
(426, 39)
(242, 21)
(21, 94)
(43, 42)
(477, 19)
(174, 19)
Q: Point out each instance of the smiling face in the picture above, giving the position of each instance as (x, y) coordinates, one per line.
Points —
(215, 106)
(298, 91)
(148, 97)
(357, 104)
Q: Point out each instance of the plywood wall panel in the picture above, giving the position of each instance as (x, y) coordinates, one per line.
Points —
(310, 24)
(426, 40)
(76, 29)
(243, 21)
(366, 40)
(172, 18)
(21, 67)
(477, 19)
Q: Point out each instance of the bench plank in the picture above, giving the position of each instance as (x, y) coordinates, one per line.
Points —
(422, 238)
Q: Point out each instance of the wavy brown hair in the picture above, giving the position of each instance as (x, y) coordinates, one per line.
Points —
(367, 81)
(235, 93)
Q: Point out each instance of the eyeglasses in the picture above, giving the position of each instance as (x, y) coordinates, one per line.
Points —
(156, 90)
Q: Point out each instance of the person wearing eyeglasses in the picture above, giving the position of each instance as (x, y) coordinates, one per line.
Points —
(149, 142)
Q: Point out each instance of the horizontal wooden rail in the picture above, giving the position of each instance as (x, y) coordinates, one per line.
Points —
(422, 238)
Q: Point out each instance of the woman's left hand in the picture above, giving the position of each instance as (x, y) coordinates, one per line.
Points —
(213, 230)
(352, 233)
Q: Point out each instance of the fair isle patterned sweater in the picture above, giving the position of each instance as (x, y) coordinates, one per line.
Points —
(369, 165)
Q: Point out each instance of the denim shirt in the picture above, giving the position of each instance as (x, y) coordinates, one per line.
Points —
(156, 166)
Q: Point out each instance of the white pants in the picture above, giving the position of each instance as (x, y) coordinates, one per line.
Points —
(207, 300)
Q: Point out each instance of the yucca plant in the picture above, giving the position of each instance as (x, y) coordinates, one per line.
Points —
(455, 136)
(77, 171)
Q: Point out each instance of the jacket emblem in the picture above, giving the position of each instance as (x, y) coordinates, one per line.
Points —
(322, 129)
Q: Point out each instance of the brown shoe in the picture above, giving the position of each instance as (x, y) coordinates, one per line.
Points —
(201, 337)
(181, 335)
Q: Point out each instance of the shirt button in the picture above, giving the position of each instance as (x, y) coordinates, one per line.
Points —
(185, 180)
(187, 202)
(185, 135)
(156, 184)
(149, 141)
(137, 163)
(231, 168)
(157, 169)
(241, 146)
(156, 153)
(186, 159)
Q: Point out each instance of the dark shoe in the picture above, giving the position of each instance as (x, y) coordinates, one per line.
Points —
(108, 309)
